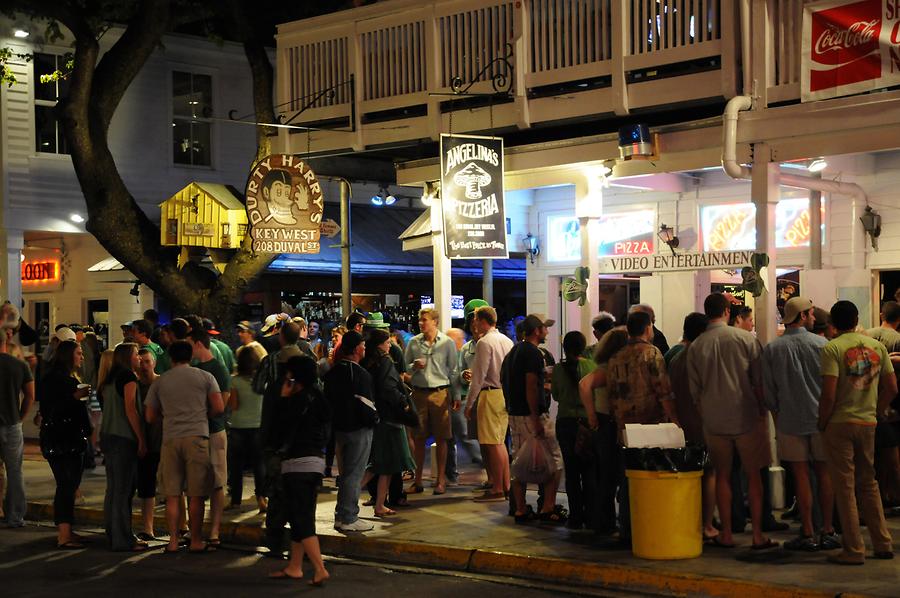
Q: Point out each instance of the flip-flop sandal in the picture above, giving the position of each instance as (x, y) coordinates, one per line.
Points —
(769, 543)
(385, 513)
(552, 517)
(70, 545)
(206, 548)
(284, 575)
(715, 541)
(415, 489)
(145, 537)
(214, 542)
(369, 503)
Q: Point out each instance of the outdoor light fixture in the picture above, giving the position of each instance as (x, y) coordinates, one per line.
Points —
(666, 234)
(20, 33)
(532, 247)
(76, 218)
(871, 221)
(817, 165)
(136, 289)
(383, 197)
(430, 193)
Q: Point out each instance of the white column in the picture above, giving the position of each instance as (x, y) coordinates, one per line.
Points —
(11, 266)
(441, 266)
(589, 207)
(765, 191)
(487, 281)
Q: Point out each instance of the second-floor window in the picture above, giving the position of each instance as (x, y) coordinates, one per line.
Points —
(48, 132)
(191, 111)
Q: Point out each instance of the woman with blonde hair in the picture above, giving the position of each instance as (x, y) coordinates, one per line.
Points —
(122, 440)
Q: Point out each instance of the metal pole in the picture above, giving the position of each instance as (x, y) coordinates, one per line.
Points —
(346, 303)
(487, 281)
(815, 230)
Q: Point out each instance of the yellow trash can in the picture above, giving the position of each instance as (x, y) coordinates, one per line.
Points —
(666, 514)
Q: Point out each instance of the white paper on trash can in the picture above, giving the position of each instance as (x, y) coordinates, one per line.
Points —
(653, 435)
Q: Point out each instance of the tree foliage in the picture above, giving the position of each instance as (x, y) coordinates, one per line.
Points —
(97, 82)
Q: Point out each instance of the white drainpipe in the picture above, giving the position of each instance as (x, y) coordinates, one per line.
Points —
(738, 171)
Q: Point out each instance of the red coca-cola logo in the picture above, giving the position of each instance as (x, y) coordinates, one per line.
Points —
(844, 44)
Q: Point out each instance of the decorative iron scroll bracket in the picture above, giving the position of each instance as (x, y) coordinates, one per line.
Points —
(501, 81)
(312, 99)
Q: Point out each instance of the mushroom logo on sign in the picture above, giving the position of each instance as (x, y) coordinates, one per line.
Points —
(473, 178)
(472, 197)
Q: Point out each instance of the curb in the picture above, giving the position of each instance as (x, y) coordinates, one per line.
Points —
(488, 562)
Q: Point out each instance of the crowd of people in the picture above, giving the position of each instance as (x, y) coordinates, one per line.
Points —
(183, 415)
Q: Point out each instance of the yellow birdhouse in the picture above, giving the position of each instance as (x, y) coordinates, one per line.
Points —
(206, 215)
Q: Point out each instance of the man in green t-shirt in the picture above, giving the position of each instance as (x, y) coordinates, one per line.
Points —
(141, 331)
(858, 384)
(887, 333)
(225, 352)
(218, 440)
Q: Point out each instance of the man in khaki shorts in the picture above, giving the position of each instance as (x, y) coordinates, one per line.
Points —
(725, 375)
(185, 397)
(431, 359)
(486, 387)
(792, 371)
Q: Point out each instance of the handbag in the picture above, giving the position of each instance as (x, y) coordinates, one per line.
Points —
(405, 412)
(62, 436)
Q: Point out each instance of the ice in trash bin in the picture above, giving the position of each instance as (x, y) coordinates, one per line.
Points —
(688, 458)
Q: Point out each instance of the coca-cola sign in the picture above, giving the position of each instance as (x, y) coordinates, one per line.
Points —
(849, 47)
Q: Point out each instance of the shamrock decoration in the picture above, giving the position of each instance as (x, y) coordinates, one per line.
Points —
(575, 289)
(754, 275)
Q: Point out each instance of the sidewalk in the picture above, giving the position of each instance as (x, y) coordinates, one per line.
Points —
(452, 532)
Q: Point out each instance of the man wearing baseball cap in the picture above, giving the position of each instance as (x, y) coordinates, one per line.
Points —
(792, 375)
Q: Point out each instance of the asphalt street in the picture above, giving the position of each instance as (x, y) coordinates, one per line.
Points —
(30, 565)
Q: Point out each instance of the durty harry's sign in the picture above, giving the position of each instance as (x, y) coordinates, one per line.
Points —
(722, 260)
(849, 47)
(284, 206)
(472, 197)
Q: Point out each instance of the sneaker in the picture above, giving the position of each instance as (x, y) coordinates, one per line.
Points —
(357, 526)
(804, 543)
(829, 541)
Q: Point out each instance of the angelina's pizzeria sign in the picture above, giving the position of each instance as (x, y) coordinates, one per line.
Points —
(284, 206)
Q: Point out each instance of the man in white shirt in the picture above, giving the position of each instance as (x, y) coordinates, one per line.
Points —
(485, 386)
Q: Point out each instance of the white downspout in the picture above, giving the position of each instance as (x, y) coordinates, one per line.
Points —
(729, 137)
(747, 83)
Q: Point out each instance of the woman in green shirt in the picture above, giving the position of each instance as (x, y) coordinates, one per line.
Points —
(572, 429)
(244, 440)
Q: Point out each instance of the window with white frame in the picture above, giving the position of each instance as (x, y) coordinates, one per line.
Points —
(48, 132)
(191, 125)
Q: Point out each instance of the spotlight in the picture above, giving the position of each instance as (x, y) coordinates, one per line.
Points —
(76, 218)
(817, 165)
(377, 199)
(20, 33)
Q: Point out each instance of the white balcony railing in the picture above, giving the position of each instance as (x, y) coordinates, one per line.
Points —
(606, 55)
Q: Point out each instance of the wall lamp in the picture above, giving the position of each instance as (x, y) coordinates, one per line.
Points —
(136, 289)
(871, 221)
(430, 194)
(666, 234)
(532, 246)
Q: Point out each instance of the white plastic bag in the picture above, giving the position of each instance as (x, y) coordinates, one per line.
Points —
(533, 463)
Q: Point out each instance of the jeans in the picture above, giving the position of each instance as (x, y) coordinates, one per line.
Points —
(355, 447)
(121, 472)
(244, 447)
(67, 470)
(11, 453)
(277, 511)
(581, 474)
(461, 437)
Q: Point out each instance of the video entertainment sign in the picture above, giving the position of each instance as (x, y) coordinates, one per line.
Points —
(284, 206)
(849, 47)
(716, 260)
(472, 197)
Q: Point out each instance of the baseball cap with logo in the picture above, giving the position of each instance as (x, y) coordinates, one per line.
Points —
(472, 305)
(796, 306)
(535, 321)
(244, 325)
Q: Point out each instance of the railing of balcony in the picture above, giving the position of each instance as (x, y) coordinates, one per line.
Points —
(786, 17)
(401, 51)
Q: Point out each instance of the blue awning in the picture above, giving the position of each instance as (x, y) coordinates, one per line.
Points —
(376, 249)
